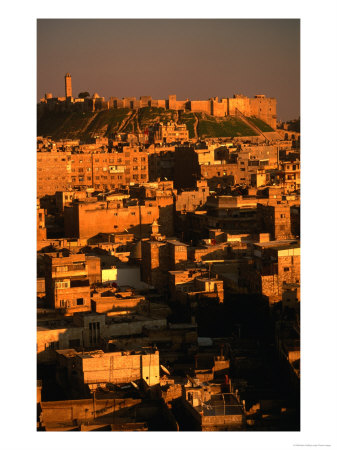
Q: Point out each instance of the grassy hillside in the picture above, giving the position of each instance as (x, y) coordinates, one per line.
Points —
(71, 125)
(263, 126)
(219, 127)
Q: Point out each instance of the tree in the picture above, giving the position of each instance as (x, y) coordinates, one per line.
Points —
(83, 95)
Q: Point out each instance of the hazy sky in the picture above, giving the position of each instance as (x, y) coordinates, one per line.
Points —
(192, 58)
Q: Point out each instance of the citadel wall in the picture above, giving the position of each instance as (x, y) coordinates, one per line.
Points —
(260, 106)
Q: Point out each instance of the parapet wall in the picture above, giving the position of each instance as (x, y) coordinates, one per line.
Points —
(260, 106)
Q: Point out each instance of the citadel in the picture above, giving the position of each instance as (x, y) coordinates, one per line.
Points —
(260, 106)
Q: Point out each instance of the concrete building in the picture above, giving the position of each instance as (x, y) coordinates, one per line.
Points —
(212, 410)
(98, 368)
(67, 283)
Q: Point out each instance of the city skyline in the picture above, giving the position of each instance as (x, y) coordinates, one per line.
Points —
(160, 57)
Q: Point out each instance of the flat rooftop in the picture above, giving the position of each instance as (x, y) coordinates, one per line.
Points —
(176, 242)
(284, 245)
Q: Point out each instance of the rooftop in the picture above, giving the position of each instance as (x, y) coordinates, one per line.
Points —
(284, 245)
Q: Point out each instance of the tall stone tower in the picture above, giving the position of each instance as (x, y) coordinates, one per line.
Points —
(69, 92)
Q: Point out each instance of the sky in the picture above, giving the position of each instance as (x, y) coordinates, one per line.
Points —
(192, 58)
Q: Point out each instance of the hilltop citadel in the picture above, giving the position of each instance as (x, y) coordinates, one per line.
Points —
(260, 106)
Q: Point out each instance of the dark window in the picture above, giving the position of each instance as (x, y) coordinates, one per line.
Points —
(80, 301)
(286, 269)
(74, 342)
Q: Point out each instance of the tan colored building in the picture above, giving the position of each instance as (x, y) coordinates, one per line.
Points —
(67, 283)
(171, 132)
(88, 219)
(98, 368)
(61, 171)
(276, 265)
(53, 172)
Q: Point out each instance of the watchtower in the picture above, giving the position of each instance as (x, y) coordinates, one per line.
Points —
(68, 87)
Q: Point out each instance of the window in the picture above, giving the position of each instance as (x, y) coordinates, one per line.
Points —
(88, 169)
(51, 345)
(283, 216)
(133, 214)
(79, 301)
(285, 269)
(62, 285)
(74, 343)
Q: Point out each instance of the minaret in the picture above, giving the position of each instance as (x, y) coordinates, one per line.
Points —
(68, 87)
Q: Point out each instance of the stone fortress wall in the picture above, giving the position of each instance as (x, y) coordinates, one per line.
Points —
(260, 106)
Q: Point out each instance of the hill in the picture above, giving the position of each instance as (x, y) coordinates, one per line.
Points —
(83, 125)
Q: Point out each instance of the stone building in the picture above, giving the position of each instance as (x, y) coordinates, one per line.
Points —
(67, 283)
(98, 368)
(170, 132)
(275, 220)
(53, 172)
(61, 171)
(87, 219)
(190, 200)
(40, 225)
(276, 265)
(109, 170)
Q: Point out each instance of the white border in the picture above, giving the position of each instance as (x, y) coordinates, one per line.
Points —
(18, 33)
